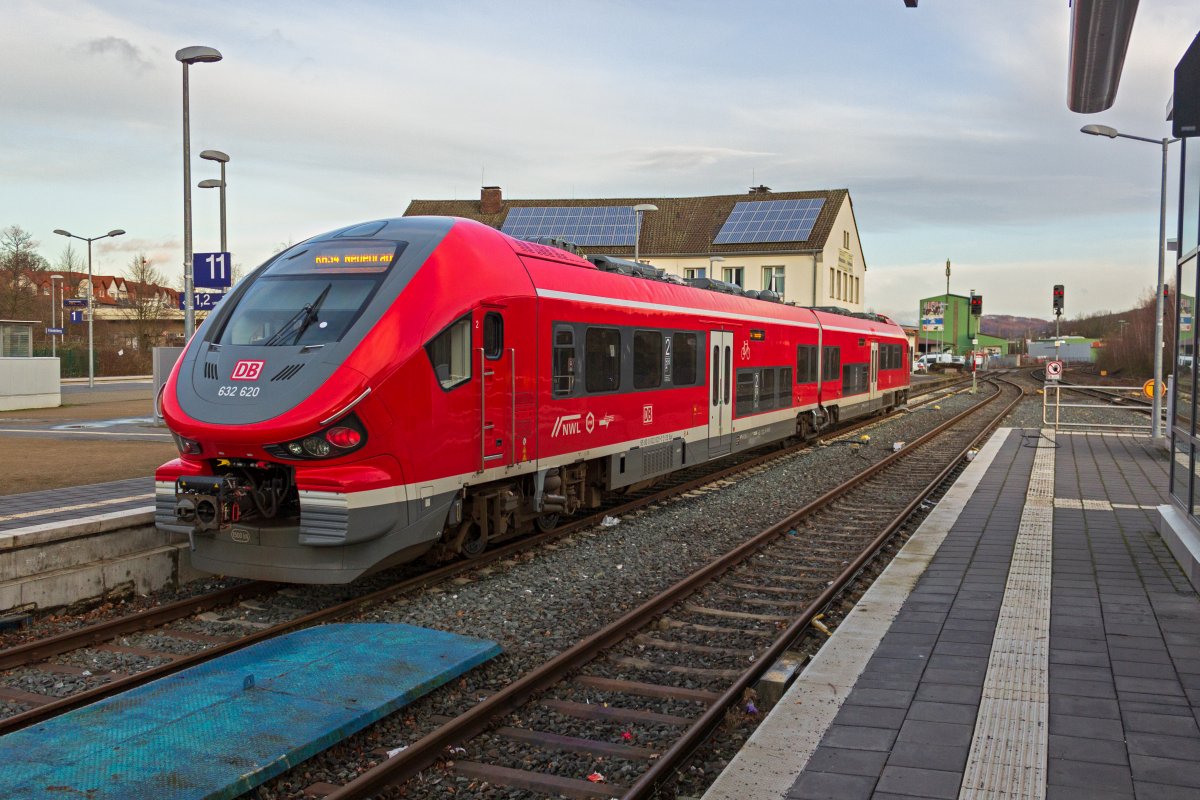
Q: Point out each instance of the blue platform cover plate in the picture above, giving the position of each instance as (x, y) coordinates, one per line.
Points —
(219, 729)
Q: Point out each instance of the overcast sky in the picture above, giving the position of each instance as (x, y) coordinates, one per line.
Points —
(947, 123)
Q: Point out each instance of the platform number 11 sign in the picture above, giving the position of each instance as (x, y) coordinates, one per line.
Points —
(212, 270)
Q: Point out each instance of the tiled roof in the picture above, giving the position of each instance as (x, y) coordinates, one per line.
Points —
(682, 226)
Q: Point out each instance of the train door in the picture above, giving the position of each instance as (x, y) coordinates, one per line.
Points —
(720, 400)
(874, 373)
(495, 358)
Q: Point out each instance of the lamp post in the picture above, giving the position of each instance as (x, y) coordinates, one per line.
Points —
(53, 341)
(712, 261)
(90, 296)
(223, 159)
(637, 230)
(946, 306)
(1156, 425)
(189, 55)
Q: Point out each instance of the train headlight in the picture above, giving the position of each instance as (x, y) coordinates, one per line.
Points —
(316, 446)
(187, 447)
(345, 436)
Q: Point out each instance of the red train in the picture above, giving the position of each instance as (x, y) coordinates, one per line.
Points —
(432, 384)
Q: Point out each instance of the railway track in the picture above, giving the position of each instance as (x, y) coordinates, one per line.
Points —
(745, 608)
(251, 611)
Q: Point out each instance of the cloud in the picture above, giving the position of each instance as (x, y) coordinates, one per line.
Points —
(122, 49)
(684, 157)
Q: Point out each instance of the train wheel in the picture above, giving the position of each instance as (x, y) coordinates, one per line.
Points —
(548, 522)
(474, 543)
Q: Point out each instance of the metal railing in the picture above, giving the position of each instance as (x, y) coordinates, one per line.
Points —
(1108, 399)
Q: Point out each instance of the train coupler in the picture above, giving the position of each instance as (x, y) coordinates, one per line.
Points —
(210, 503)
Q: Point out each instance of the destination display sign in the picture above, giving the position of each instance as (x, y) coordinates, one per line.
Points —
(341, 258)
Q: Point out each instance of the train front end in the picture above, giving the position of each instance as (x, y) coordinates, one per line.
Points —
(287, 468)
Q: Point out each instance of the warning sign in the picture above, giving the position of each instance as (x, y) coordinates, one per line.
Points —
(1053, 370)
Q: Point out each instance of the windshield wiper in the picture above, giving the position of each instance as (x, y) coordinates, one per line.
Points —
(305, 317)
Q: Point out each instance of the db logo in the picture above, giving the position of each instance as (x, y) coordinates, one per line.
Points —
(247, 370)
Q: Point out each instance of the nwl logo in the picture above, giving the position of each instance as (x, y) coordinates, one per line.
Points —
(247, 370)
(566, 425)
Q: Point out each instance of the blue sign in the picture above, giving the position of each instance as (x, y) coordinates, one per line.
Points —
(212, 271)
(76, 316)
(202, 301)
(74, 302)
(54, 331)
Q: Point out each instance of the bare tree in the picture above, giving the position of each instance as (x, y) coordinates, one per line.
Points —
(19, 268)
(147, 307)
(69, 261)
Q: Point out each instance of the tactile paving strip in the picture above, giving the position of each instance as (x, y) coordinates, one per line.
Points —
(1008, 751)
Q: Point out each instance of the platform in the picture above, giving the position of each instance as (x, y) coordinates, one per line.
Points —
(1034, 639)
(221, 728)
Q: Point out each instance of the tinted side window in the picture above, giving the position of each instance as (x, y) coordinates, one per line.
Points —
(563, 380)
(785, 387)
(647, 359)
(806, 364)
(854, 379)
(493, 335)
(602, 359)
(831, 368)
(683, 361)
(746, 400)
(450, 353)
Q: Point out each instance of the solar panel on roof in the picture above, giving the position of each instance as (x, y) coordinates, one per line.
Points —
(757, 221)
(584, 225)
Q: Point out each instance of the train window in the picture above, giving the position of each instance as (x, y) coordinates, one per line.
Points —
(728, 371)
(602, 359)
(716, 379)
(450, 353)
(831, 363)
(563, 380)
(647, 359)
(785, 387)
(746, 400)
(854, 379)
(766, 392)
(806, 363)
(683, 359)
(493, 335)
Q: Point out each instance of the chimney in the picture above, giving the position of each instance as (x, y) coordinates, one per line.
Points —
(760, 189)
(490, 200)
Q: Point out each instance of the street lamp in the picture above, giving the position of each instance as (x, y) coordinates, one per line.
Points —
(712, 260)
(637, 231)
(217, 155)
(91, 295)
(946, 307)
(1156, 432)
(53, 341)
(189, 55)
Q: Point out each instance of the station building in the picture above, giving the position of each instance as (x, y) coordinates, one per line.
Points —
(802, 245)
(947, 324)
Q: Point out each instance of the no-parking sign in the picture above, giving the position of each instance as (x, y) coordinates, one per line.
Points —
(1053, 370)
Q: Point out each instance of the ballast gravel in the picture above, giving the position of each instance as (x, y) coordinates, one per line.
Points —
(537, 605)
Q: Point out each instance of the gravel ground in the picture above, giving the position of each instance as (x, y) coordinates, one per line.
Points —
(536, 606)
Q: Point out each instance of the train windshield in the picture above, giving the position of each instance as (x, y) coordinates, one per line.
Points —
(311, 296)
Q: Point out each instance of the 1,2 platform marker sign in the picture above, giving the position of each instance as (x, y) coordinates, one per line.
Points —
(212, 270)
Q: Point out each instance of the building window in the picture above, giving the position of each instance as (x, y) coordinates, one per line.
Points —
(773, 280)
(735, 275)
(831, 282)
(846, 239)
(647, 359)
(691, 273)
(602, 359)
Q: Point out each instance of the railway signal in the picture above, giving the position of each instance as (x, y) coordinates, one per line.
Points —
(1058, 299)
(977, 305)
